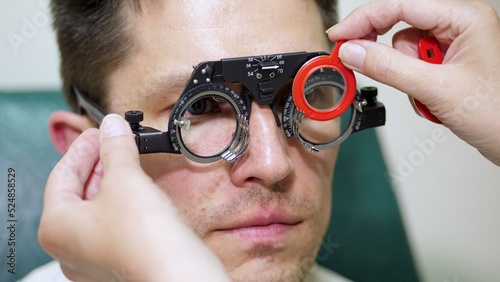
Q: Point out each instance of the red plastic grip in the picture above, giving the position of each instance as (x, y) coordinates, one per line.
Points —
(429, 51)
(333, 62)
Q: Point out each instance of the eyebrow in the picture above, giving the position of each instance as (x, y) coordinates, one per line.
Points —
(166, 87)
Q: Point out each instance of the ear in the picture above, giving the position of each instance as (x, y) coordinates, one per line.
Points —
(65, 127)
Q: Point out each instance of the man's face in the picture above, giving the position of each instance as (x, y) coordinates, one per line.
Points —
(265, 214)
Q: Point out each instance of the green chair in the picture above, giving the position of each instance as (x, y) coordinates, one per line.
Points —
(367, 237)
(366, 240)
(26, 148)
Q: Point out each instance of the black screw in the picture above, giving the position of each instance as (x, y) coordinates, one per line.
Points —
(134, 116)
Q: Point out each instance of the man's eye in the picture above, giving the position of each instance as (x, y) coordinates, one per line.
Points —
(203, 106)
(323, 97)
(313, 97)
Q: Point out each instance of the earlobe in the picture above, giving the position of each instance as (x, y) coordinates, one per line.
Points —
(65, 127)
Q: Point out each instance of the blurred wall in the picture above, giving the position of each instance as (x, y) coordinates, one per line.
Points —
(29, 57)
(447, 192)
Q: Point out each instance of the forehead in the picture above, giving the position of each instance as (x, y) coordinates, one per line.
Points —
(233, 25)
(173, 35)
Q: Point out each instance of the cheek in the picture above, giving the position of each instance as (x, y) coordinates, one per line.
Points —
(190, 186)
(314, 168)
(314, 174)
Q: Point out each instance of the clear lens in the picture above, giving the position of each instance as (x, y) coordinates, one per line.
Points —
(323, 90)
(208, 125)
(321, 132)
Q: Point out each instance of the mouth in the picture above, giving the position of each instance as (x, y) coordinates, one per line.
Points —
(262, 228)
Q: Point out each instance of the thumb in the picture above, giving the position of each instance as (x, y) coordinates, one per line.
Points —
(117, 146)
(392, 67)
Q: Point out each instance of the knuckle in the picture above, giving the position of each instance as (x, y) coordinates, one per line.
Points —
(46, 236)
(69, 273)
(50, 234)
(484, 7)
(486, 11)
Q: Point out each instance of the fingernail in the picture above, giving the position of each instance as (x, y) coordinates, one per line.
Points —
(331, 28)
(352, 55)
(113, 125)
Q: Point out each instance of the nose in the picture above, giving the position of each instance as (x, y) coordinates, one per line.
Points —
(266, 160)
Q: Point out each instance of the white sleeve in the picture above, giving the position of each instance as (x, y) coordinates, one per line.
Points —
(50, 272)
(319, 273)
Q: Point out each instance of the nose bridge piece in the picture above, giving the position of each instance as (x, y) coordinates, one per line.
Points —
(275, 113)
(264, 97)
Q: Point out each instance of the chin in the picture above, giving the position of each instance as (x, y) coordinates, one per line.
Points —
(267, 269)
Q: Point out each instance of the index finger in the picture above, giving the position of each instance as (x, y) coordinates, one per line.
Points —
(68, 178)
(380, 16)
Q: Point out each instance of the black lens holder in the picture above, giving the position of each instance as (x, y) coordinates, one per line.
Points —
(262, 78)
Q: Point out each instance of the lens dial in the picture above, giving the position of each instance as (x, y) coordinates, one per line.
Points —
(209, 122)
(323, 90)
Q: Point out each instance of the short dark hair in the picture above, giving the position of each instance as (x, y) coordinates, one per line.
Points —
(94, 39)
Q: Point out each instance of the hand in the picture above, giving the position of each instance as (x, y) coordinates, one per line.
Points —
(104, 219)
(463, 92)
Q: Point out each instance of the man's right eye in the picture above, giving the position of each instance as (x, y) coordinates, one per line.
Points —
(324, 97)
(198, 107)
(203, 106)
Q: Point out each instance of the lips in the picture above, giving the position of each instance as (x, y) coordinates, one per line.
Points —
(262, 226)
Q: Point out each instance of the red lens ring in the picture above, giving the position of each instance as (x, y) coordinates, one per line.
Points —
(312, 66)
